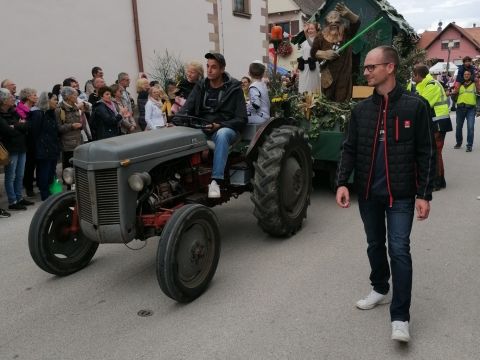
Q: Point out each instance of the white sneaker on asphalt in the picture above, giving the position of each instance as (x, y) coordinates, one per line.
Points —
(400, 331)
(373, 299)
(213, 190)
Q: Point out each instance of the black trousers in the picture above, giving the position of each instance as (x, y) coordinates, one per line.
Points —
(30, 165)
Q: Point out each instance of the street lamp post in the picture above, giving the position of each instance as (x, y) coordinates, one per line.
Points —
(449, 46)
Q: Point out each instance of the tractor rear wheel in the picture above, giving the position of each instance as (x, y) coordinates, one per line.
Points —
(283, 181)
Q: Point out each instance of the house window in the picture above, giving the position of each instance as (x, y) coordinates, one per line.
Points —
(292, 27)
(241, 8)
(456, 44)
(285, 27)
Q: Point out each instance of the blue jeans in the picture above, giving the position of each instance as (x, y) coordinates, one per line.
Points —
(398, 227)
(462, 114)
(222, 138)
(14, 177)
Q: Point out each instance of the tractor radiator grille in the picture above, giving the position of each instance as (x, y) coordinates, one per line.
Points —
(83, 195)
(107, 197)
(105, 190)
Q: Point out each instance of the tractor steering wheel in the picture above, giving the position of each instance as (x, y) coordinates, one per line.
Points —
(191, 121)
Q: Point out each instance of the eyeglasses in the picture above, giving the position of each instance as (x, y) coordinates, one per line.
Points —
(372, 67)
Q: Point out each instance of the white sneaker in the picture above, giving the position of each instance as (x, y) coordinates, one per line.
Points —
(400, 331)
(373, 299)
(213, 190)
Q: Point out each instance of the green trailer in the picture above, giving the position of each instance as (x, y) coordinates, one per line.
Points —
(326, 153)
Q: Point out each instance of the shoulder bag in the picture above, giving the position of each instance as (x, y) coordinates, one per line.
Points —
(4, 156)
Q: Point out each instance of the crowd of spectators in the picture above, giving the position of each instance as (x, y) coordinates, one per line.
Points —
(37, 130)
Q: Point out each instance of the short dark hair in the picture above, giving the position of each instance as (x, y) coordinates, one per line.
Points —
(56, 89)
(103, 90)
(218, 57)
(256, 70)
(420, 70)
(95, 70)
(69, 81)
(390, 55)
(467, 58)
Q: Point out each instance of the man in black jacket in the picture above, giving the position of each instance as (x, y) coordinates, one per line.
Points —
(219, 99)
(391, 147)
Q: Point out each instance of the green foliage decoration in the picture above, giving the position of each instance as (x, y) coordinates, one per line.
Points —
(167, 66)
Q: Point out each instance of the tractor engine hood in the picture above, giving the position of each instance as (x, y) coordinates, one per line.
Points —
(139, 147)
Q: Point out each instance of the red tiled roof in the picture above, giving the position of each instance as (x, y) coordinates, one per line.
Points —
(474, 33)
(426, 39)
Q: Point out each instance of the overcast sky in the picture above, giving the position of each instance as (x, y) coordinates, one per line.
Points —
(425, 14)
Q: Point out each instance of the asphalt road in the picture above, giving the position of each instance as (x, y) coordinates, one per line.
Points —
(270, 298)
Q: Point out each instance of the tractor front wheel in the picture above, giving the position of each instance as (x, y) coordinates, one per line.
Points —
(55, 240)
(188, 252)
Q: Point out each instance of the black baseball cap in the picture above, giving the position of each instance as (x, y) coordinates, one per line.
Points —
(216, 56)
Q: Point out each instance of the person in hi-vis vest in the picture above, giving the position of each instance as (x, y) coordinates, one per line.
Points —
(433, 91)
(466, 108)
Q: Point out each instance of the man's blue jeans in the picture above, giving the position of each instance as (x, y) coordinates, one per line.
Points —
(398, 227)
(222, 138)
(14, 177)
(462, 114)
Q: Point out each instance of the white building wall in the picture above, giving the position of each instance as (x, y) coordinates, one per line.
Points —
(181, 27)
(49, 40)
(276, 6)
(240, 38)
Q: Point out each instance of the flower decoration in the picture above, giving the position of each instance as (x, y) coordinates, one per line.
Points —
(285, 49)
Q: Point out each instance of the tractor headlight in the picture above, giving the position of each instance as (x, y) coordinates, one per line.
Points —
(69, 175)
(137, 181)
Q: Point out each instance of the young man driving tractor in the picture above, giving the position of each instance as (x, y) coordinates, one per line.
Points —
(219, 100)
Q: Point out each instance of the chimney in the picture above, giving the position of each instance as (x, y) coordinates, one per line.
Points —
(474, 25)
(439, 29)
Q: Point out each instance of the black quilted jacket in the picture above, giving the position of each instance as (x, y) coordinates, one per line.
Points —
(409, 144)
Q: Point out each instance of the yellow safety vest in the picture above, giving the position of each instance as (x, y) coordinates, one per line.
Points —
(435, 96)
(466, 95)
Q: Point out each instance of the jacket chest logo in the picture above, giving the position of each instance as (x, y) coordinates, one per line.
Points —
(407, 124)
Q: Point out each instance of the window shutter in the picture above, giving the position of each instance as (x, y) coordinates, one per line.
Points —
(294, 27)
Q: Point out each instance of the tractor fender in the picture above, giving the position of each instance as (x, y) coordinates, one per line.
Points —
(261, 133)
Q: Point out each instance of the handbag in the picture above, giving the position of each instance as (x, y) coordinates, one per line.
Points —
(55, 187)
(4, 156)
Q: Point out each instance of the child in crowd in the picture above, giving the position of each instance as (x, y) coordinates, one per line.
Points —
(258, 105)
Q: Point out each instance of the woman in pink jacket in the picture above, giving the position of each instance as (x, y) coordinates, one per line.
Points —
(28, 99)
